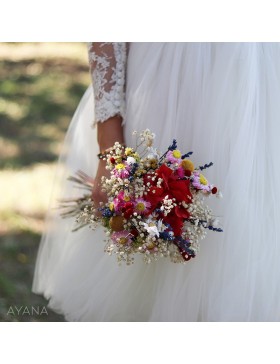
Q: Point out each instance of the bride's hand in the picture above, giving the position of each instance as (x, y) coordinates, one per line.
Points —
(97, 194)
(108, 132)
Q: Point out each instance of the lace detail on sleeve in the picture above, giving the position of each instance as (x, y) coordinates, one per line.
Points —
(108, 68)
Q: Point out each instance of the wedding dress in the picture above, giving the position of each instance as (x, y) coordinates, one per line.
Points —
(219, 100)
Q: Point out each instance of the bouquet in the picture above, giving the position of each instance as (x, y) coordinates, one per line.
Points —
(156, 203)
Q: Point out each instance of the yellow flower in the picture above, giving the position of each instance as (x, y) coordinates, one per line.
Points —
(140, 206)
(126, 198)
(122, 240)
(128, 151)
(120, 166)
(135, 156)
(176, 153)
(111, 206)
(187, 165)
(203, 180)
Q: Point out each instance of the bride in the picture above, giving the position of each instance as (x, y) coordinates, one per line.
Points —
(219, 100)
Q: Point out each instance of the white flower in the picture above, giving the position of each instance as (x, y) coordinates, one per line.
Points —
(151, 229)
(154, 229)
(148, 137)
(161, 227)
(131, 160)
(146, 132)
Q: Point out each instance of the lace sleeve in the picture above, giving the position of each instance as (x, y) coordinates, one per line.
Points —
(108, 68)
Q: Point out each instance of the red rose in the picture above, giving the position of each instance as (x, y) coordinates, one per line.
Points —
(154, 196)
(180, 189)
(181, 212)
(128, 205)
(127, 209)
(128, 213)
(175, 222)
(173, 186)
(176, 219)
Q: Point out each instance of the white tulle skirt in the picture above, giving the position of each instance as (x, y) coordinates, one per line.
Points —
(221, 101)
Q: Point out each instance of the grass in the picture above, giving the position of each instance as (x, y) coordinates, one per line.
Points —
(40, 87)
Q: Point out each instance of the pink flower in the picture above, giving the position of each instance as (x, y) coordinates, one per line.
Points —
(174, 156)
(122, 170)
(120, 201)
(200, 182)
(118, 204)
(180, 172)
(122, 237)
(141, 206)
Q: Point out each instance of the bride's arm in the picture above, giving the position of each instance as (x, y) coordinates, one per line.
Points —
(109, 132)
(108, 68)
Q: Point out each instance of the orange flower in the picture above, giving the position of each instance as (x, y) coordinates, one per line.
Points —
(187, 165)
(116, 223)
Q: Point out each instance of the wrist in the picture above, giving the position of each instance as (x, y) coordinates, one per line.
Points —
(109, 151)
(109, 132)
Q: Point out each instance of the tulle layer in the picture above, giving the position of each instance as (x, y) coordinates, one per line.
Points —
(221, 101)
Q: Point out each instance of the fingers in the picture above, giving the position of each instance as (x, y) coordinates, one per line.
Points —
(98, 196)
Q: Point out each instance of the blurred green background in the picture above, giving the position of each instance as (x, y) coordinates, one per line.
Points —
(40, 87)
